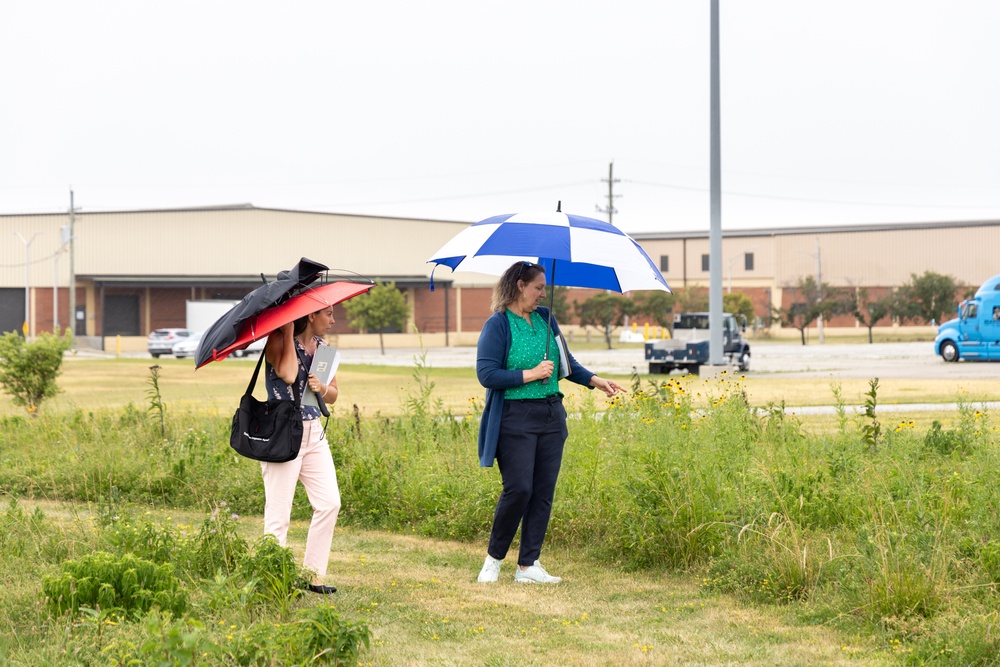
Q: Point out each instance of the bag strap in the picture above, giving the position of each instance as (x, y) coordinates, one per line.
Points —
(256, 372)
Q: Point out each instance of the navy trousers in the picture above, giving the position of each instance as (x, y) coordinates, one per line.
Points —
(529, 454)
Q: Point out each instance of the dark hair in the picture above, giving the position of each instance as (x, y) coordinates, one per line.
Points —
(506, 291)
(300, 324)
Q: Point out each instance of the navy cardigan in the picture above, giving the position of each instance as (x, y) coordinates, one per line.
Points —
(491, 369)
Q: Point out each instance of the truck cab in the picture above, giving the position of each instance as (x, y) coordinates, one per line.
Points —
(975, 334)
(688, 347)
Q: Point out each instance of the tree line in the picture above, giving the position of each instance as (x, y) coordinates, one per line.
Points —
(926, 298)
(923, 299)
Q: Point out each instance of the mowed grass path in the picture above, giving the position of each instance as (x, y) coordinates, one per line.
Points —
(421, 599)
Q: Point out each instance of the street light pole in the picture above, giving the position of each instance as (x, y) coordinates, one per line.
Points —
(715, 194)
(819, 291)
(72, 268)
(27, 327)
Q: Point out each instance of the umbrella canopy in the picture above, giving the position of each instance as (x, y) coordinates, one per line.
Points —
(575, 251)
(225, 330)
(257, 327)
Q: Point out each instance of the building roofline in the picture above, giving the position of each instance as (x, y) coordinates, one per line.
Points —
(824, 229)
(227, 207)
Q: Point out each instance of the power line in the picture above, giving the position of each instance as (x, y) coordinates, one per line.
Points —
(469, 196)
(844, 202)
(20, 265)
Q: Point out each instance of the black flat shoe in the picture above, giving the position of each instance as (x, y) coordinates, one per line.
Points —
(322, 589)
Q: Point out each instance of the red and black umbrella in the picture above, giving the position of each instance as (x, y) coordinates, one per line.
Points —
(270, 306)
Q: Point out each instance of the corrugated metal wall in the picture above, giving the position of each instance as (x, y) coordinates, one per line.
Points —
(238, 242)
(846, 258)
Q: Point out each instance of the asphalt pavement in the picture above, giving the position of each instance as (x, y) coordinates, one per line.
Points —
(883, 360)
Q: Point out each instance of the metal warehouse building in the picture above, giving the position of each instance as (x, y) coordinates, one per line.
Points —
(134, 271)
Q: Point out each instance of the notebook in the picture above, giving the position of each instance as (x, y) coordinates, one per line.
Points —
(324, 367)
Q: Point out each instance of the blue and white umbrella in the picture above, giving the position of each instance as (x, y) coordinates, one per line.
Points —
(575, 251)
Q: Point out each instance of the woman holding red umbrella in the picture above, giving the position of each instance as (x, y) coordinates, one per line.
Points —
(289, 352)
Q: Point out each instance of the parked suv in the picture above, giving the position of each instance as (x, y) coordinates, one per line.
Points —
(162, 341)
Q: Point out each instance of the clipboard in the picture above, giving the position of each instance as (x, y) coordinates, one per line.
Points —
(324, 366)
(563, 356)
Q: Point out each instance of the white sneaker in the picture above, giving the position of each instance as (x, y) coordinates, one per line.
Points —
(491, 570)
(535, 574)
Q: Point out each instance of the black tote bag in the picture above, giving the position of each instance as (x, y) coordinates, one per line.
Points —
(267, 430)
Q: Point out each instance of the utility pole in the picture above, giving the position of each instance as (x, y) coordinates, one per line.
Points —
(72, 264)
(610, 180)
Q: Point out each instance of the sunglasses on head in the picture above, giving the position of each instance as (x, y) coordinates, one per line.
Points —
(522, 266)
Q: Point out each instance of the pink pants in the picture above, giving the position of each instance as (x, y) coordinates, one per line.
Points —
(314, 466)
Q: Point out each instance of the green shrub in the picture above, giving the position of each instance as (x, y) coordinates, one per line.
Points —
(326, 638)
(942, 441)
(771, 563)
(28, 371)
(108, 581)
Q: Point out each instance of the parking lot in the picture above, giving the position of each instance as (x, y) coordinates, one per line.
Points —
(883, 360)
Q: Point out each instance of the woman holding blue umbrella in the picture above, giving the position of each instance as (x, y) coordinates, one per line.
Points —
(524, 423)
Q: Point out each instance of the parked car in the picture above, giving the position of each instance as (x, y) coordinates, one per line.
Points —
(188, 346)
(255, 347)
(162, 341)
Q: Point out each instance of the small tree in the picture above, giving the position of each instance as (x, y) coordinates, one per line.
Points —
(656, 305)
(28, 371)
(814, 301)
(560, 302)
(691, 299)
(605, 311)
(738, 304)
(926, 297)
(382, 308)
(869, 311)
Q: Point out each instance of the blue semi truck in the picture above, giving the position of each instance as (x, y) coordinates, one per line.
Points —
(975, 334)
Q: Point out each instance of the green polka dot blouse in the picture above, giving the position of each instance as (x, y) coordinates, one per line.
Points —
(527, 350)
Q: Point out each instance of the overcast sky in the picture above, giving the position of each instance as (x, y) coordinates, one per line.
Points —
(833, 111)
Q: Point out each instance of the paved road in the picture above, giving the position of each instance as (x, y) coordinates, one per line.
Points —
(883, 360)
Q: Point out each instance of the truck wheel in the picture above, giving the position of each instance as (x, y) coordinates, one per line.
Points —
(745, 362)
(238, 353)
(691, 368)
(949, 351)
(655, 369)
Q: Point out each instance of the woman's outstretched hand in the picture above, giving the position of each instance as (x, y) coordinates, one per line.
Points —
(609, 387)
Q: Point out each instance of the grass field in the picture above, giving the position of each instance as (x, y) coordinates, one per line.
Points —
(690, 528)
(107, 383)
(421, 601)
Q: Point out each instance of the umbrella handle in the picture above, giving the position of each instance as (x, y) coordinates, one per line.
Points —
(552, 301)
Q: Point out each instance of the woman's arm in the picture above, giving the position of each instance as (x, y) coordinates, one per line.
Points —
(329, 392)
(491, 359)
(280, 353)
